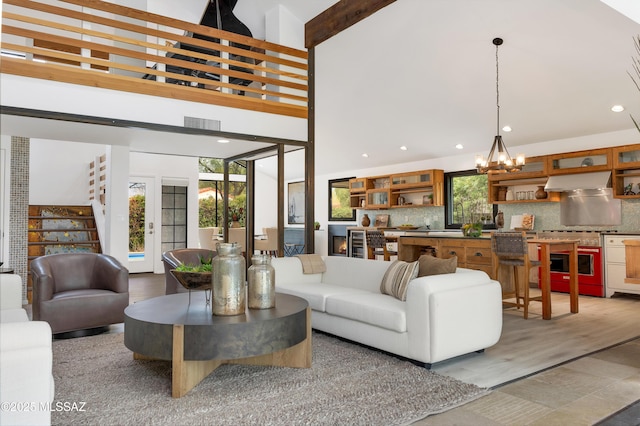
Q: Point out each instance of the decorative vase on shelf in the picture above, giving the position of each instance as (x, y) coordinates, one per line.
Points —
(500, 220)
(541, 194)
(509, 196)
(235, 224)
(365, 220)
(502, 193)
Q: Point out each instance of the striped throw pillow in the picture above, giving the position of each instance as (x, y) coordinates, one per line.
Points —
(396, 280)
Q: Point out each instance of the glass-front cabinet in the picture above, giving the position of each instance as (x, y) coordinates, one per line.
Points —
(358, 191)
(408, 180)
(357, 185)
(626, 171)
(378, 198)
(626, 157)
(421, 188)
(411, 189)
(580, 162)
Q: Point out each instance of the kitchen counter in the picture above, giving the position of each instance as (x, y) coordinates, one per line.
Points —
(620, 233)
(472, 252)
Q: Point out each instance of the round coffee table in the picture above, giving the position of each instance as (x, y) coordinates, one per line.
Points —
(197, 342)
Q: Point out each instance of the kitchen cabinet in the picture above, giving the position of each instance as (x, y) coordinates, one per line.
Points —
(378, 193)
(526, 181)
(594, 160)
(378, 198)
(358, 191)
(358, 185)
(626, 171)
(478, 256)
(400, 190)
(472, 253)
(615, 257)
(425, 187)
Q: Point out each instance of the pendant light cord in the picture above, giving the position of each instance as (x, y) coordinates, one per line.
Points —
(497, 92)
(219, 19)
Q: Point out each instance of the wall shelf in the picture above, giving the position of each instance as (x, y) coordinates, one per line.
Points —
(403, 190)
(626, 171)
(533, 175)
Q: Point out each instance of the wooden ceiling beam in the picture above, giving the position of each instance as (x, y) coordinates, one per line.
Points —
(338, 18)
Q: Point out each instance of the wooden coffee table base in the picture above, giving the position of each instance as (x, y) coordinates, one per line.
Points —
(186, 373)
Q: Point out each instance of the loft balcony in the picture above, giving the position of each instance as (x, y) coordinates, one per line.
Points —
(103, 45)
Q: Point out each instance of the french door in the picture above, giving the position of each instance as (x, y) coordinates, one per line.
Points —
(141, 224)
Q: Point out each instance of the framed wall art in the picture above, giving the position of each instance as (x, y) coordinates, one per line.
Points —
(295, 203)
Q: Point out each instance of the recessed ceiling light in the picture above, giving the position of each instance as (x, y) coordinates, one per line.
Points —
(617, 108)
(365, 155)
(404, 148)
(223, 140)
(506, 128)
(459, 146)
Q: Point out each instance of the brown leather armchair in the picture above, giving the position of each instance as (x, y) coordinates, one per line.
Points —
(173, 258)
(79, 291)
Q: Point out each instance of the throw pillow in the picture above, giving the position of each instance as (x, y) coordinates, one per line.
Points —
(396, 280)
(431, 265)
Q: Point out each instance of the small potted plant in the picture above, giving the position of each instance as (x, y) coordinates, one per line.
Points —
(316, 225)
(194, 277)
(472, 230)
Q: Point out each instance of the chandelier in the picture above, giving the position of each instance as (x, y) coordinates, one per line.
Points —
(503, 163)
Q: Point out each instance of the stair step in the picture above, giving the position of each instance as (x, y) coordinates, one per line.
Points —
(63, 230)
(64, 243)
(61, 218)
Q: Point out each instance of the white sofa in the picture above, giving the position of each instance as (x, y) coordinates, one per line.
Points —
(26, 358)
(444, 316)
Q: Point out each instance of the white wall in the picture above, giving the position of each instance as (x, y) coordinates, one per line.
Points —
(59, 171)
(266, 201)
(117, 203)
(47, 95)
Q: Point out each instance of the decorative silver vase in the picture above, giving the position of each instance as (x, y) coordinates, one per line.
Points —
(229, 276)
(261, 278)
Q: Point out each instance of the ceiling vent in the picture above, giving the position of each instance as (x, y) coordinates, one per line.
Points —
(201, 123)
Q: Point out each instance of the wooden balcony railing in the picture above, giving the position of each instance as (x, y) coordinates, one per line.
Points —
(99, 44)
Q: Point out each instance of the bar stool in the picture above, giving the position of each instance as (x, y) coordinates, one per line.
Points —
(377, 245)
(511, 249)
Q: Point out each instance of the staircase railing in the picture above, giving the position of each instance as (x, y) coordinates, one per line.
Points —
(99, 44)
(101, 222)
(97, 194)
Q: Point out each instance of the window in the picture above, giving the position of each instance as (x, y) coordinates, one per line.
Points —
(340, 201)
(466, 195)
(211, 192)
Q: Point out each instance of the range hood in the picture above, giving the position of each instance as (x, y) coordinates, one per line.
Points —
(564, 183)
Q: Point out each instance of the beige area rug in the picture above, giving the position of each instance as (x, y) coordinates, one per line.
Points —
(533, 345)
(347, 385)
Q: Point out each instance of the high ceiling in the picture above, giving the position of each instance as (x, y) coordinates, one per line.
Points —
(424, 76)
(425, 73)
